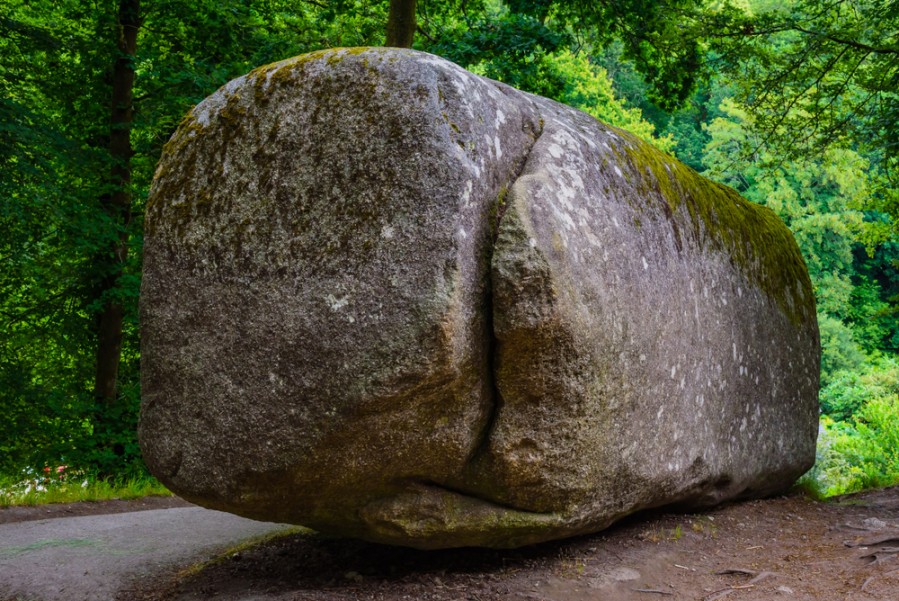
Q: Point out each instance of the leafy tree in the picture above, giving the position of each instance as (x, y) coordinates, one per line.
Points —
(523, 50)
(89, 96)
(54, 225)
(815, 73)
(650, 34)
(862, 452)
(589, 88)
(512, 48)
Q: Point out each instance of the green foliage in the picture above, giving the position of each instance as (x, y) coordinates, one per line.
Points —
(839, 350)
(652, 35)
(516, 45)
(510, 47)
(859, 455)
(55, 236)
(822, 200)
(793, 104)
(816, 74)
(858, 444)
(588, 88)
(850, 389)
(61, 485)
(52, 227)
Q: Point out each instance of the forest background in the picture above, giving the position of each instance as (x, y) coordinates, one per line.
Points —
(793, 103)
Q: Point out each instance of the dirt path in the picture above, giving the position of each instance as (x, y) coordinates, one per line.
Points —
(787, 548)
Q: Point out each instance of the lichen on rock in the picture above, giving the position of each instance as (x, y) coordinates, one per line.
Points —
(386, 298)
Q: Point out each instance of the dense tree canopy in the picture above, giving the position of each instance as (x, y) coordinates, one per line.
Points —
(794, 104)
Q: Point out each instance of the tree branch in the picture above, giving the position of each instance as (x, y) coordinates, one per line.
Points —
(845, 42)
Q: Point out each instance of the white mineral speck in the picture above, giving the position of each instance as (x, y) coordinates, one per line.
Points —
(466, 195)
(337, 304)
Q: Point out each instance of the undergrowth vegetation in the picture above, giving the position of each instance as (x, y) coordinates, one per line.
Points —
(858, 441)
(61, 485)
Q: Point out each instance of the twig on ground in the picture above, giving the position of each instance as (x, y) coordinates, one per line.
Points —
(720, 594)
(653, 590)
(741, 571)
(757, 577)
(761, 576)
(892, 537)
(881, 555)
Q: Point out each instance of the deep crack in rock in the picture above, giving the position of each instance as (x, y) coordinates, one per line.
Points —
(500, 210)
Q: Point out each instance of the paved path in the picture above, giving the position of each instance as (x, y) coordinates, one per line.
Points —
(92, 558)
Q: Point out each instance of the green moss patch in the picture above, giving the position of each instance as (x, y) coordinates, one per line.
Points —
(755, 239)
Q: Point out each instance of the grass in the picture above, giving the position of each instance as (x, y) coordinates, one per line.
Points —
(71, 488)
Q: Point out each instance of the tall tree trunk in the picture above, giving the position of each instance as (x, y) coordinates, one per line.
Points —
(117, 205)
(401, 24)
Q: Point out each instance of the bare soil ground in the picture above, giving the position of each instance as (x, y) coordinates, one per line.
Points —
(782, 548)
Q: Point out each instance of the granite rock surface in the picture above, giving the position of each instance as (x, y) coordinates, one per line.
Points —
(386, 298)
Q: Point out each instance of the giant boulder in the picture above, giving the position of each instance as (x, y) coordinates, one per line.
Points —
(386, 298)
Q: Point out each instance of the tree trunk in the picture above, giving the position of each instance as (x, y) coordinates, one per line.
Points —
(117, 205)
(401, 24)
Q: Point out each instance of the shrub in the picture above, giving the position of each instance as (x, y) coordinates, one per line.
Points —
(858, 454)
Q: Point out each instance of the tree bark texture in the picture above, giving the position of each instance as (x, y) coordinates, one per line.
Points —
(117, 203)
(401, 24)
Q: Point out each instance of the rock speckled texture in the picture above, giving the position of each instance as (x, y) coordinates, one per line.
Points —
(386, 298)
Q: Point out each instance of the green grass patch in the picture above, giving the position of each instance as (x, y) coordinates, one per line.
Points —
(72, 488)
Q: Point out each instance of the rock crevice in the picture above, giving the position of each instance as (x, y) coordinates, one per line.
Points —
(500, 208)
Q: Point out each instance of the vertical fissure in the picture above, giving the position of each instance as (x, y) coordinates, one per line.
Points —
(492, 351)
